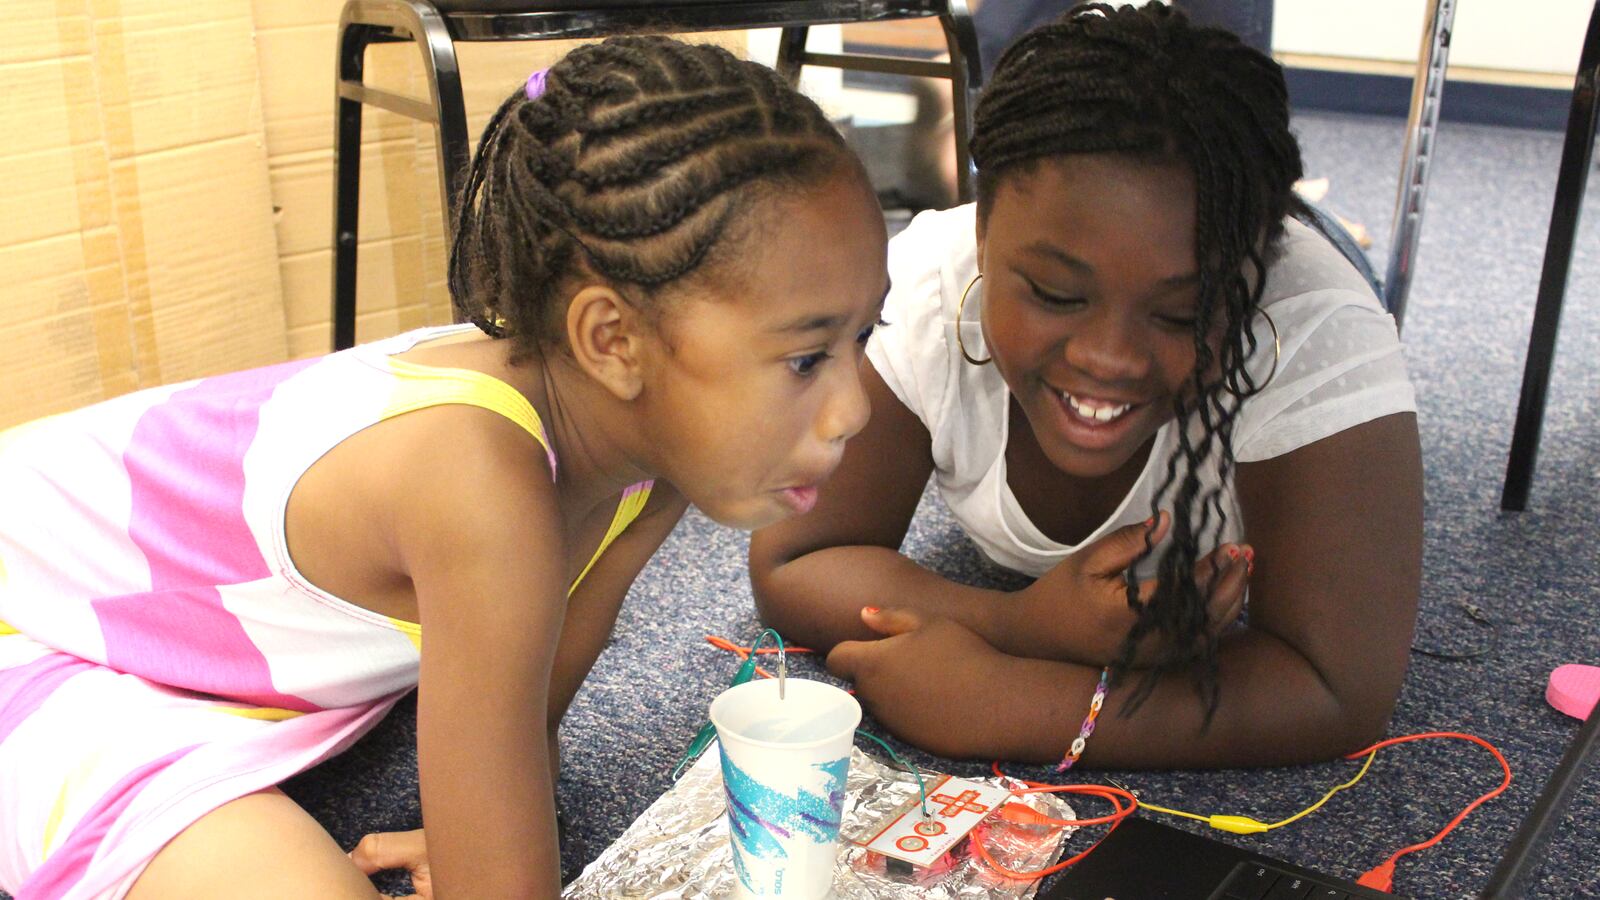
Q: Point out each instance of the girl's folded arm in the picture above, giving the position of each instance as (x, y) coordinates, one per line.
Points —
(1337, 527)
(950, 693)
(482, 542)
(1337, 530)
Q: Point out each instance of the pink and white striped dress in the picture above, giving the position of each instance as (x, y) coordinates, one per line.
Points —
(159, 653)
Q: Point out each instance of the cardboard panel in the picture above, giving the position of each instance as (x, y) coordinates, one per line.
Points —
(297, 72)
(33, 30)
(313, 340)
(211, 276)
(136, 229)
(388, 277)
(62, 322)
(54, 166)
(292, 13)
(172, 77)
(168, 211)
(302, 196)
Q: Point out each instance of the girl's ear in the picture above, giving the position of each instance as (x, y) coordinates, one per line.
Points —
(606, 335)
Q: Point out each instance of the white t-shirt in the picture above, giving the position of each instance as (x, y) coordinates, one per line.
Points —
(1340, 366)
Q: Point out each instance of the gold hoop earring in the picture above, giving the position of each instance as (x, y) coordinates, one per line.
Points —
(1277, 350)
(961, 308)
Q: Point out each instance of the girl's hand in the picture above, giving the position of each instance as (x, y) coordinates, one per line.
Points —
(1079, 611)
(930, 682)
(396, 850)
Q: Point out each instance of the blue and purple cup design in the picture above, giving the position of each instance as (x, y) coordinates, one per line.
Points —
(784, 768)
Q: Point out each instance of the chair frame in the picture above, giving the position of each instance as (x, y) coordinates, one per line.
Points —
(366, 22)
(1577, 153)
(1416, 156)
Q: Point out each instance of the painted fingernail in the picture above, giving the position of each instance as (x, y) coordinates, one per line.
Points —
(1233, 552)
(1250, 553)
(1150, 521)
(870, 610)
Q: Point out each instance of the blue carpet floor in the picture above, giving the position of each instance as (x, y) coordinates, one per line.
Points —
(1538, 573)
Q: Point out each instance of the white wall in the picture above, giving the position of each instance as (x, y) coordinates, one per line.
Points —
(1527, 36)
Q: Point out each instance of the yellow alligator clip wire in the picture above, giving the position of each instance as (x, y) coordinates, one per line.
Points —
(1247, 825)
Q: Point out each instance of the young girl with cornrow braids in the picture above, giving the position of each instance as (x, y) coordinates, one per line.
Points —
(209, 587)
(1137, 379)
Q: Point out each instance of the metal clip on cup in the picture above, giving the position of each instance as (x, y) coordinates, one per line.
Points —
(747, 671)
(783, 660)
(783, 669)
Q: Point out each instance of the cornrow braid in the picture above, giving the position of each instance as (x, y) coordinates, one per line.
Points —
(630, 166)
(1145, 83)
(663, 109)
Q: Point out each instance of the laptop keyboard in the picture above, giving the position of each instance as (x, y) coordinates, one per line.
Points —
(1258, 881)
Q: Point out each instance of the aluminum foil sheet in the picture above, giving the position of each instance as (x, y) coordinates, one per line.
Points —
(679, 848)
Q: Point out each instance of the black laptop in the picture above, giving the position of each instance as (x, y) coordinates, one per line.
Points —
(1145, 860)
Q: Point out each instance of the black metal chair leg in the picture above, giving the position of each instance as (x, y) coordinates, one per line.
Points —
(791, 51)
(347, 181)
(1576, 155)
(374, 21)
(966, 76)
(450, 110)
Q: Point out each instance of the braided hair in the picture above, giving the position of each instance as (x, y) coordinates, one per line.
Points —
(630, 165)
(1144, 83)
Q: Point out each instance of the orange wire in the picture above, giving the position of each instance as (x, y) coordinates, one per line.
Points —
(994, 767)
(991, 862)
(722, 643)
(1091, 789)
(1504, 783)
(1104, 792)
(1120, 813)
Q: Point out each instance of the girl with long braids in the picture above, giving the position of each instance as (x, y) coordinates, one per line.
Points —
(1137, 379)
(207, 588)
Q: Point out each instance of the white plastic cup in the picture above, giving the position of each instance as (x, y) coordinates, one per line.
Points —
(784, 768)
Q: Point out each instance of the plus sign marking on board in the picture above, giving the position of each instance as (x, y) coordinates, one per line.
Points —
(966, 801)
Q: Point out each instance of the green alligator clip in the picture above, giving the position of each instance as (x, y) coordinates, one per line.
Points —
(708, 731)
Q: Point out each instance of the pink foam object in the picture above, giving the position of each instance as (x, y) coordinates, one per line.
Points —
(1574, 689)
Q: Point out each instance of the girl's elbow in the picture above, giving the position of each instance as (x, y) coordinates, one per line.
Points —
(765, 563)
(771, 604)
(1364, 719)
(778, 608)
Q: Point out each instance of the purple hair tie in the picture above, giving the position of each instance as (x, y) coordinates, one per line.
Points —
(535, 85)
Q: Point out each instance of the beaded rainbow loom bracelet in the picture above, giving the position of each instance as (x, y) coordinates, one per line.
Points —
(1088, 723)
